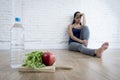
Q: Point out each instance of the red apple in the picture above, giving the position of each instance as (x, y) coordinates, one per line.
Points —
(48, 58)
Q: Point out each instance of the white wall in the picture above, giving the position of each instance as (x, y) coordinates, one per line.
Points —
(103, 20)
(5, 22)
(46, 21)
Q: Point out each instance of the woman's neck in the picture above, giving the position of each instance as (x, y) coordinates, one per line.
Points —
(76, 23)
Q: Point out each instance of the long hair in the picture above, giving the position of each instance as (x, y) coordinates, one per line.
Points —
(75, 16)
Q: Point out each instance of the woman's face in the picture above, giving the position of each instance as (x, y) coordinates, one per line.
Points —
(77, 18)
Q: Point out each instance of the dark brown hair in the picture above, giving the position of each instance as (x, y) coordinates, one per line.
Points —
(75, 16)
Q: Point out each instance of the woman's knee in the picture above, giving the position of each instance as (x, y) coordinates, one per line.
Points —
(85, 29)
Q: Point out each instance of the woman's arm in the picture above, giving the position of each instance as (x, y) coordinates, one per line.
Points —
(83, 19)
(72, 36)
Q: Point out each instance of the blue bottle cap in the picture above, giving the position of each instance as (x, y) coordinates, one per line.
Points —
(17, 19)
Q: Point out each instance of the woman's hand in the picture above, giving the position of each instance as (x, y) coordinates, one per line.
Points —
(85, 42)
(82, 14)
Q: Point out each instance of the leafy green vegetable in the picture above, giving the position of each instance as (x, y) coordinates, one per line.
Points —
(34, 60)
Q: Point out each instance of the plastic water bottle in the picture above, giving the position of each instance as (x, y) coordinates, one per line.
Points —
(17, 44)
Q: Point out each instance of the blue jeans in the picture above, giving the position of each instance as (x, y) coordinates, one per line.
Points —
(75, 46)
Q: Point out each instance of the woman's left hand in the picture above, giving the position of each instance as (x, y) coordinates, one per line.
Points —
(85, 42)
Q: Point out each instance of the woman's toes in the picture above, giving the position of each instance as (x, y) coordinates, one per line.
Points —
(105, 46)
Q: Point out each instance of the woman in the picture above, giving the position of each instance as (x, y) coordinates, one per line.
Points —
(79, 35)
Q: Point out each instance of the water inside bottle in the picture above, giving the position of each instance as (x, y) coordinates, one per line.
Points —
(17, 46)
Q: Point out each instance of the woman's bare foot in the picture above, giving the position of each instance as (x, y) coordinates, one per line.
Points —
(100, 50)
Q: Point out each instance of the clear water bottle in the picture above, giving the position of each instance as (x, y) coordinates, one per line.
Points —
(17, 44)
